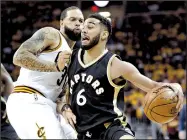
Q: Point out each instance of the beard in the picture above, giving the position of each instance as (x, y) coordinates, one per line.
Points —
(92, 43)
(71, 34)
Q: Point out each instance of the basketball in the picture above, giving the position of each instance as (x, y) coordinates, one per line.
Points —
(160, 104)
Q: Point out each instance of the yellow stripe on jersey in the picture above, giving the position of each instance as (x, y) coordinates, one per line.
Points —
(26, 89)
(22, 90)
(54, 49)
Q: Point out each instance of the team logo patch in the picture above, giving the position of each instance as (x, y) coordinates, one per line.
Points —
(41, 132)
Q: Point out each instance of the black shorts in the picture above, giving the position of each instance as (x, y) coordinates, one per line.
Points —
(115, 130)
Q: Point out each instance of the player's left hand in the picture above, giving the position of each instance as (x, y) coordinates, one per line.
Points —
(179, 92)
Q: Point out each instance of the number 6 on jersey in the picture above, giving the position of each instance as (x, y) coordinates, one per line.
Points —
(81, 97)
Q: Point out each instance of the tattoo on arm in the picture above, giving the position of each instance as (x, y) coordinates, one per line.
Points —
(26, 55)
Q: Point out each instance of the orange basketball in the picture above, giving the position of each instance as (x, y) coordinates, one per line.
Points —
(160, 104)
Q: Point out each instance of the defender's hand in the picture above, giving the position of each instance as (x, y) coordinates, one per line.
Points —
(69, 117)
(63, 59)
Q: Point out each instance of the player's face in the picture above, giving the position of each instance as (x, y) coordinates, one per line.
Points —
(91, 32)
(73, 24)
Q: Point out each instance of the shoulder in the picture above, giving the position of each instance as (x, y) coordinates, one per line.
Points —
(51, 36)
(113, 66)
(119, 67)
(116, 61)
(47, 33)
(51, 31)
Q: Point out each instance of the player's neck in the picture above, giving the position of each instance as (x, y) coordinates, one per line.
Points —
(93, 53)
(70, 42)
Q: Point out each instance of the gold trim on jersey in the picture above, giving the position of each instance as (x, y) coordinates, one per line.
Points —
(92, 62)
(124, 123)
(108, 74)
(54, 49)
(116, 109)
(26, 89)
(116, 87)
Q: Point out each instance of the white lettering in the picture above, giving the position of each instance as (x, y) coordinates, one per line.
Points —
(99, 91)
(95, 84)
(70, 90)
(83, 77)
(72, 83)
(77, 77)
(89, 79)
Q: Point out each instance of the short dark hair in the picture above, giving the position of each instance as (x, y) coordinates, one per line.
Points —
(103, 21)
(64, 12)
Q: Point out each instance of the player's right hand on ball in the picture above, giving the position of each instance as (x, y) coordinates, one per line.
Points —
(63, 59)
(179, 92)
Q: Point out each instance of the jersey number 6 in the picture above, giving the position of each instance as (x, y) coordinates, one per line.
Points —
(81, 100)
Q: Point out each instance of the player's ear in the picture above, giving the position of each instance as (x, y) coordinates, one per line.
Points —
(104, 35)
(61, 22)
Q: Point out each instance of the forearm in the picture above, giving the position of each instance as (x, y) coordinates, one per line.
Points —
(131, 73)
(143, 82)
(30, 61)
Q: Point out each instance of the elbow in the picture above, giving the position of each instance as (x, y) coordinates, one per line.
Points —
(17, 58)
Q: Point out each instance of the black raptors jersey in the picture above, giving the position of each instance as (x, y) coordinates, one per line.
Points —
(93, 95)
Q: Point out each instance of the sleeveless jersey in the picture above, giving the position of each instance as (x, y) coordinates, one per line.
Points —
(50, 84)
(93, 94)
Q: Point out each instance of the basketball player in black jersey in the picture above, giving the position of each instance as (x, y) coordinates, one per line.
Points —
(95, 79)
(7, 131)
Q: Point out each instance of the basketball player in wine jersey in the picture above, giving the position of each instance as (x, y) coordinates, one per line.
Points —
(96, 77)
(43, 59)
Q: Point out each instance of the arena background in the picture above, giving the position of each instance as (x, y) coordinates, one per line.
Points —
(149, 34)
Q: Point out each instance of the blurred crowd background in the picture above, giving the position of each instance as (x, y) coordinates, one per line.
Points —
(151, 35)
